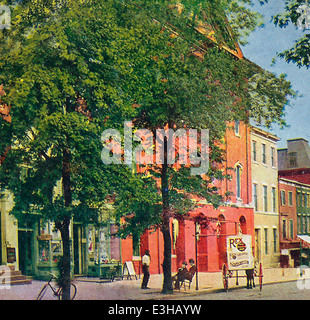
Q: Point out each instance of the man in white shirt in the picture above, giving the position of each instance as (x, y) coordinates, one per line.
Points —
(146, 269)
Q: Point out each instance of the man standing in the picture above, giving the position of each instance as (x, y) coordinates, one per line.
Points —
(146, 269)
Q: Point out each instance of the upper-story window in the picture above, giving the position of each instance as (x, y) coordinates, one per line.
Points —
(290, 198)
(292, 156)
(272, 151)
(273, 195)
(255, 197)
(264, 153)
(254, 149)
(237, 127)
(265, 198)
(238, 181)
(282, 197)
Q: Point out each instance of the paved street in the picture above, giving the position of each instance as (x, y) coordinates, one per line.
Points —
(278, 284)
(279, 291)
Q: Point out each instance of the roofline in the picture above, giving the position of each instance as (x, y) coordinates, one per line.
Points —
(297, 139)
(264, 133)
(295, 182)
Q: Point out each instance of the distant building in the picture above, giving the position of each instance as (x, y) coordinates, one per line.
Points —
(294, 161)
(289, 243)
(265, 196)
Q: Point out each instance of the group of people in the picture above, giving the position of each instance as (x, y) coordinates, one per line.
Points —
(182, 274)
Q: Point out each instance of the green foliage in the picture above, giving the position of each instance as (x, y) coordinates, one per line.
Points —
(73, 69)
(294, 14)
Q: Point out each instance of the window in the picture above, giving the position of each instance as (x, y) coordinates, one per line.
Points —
(272, 157)
(299, 224)
(264, 153)
(304, 196)
(265, 198)
(273, 193)
(304, 224)
(291, 229)
(284, 235)
(290, 198)
(237, 127)
(238, 181)
(255, 196)
(298, 200)
(266, 240)
(254, 150)
(274, 240)
(292, 159)
(282, 195)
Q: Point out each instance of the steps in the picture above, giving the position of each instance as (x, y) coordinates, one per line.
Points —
(16, 278)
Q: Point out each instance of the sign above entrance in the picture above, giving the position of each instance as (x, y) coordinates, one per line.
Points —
(45, 237)
(239, 252)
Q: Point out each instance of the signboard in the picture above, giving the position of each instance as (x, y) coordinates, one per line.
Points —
(11, 255)
(128, 270)
(239, 252)
(45, 237)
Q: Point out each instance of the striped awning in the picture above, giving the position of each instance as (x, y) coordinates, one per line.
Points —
(305, 241)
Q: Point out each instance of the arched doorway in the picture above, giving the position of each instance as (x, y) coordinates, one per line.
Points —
(242, 225)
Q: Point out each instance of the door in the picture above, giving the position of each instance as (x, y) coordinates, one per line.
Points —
(79, 253)
(257, 245)
(25, 252)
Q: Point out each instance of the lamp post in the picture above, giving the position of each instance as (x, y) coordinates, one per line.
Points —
(196, 252)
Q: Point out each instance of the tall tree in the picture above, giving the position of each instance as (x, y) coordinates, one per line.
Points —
(58, 77)
(179, 78)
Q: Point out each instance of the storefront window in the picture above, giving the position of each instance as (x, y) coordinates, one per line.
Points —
(98, 244)
(44, 251)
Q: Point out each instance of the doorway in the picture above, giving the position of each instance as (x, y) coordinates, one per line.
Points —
(79, 253)
(257, 245)
(25, 252)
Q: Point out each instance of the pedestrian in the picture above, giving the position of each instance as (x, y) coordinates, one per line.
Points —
(146, 260)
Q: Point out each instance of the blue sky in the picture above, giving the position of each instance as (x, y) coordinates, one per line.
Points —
(263, 45)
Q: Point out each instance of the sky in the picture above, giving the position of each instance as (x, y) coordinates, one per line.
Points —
(263, 45)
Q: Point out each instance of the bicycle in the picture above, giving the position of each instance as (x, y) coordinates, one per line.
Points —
(57, 290)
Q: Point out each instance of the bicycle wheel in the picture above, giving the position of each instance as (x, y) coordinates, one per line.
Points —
(42, 292)
(73, 291)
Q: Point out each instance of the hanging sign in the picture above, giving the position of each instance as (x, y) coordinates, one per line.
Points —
(239, 252)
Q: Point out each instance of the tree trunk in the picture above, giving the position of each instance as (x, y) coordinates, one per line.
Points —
(66, 281)
(167, 284)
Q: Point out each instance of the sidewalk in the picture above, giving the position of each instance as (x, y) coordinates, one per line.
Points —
(96, 289)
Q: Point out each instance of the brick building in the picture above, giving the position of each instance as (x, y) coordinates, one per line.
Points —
(212, 225)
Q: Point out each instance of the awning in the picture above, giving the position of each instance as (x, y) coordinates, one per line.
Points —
(305, 241)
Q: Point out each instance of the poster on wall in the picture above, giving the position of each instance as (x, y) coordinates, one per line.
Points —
(239, 252)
